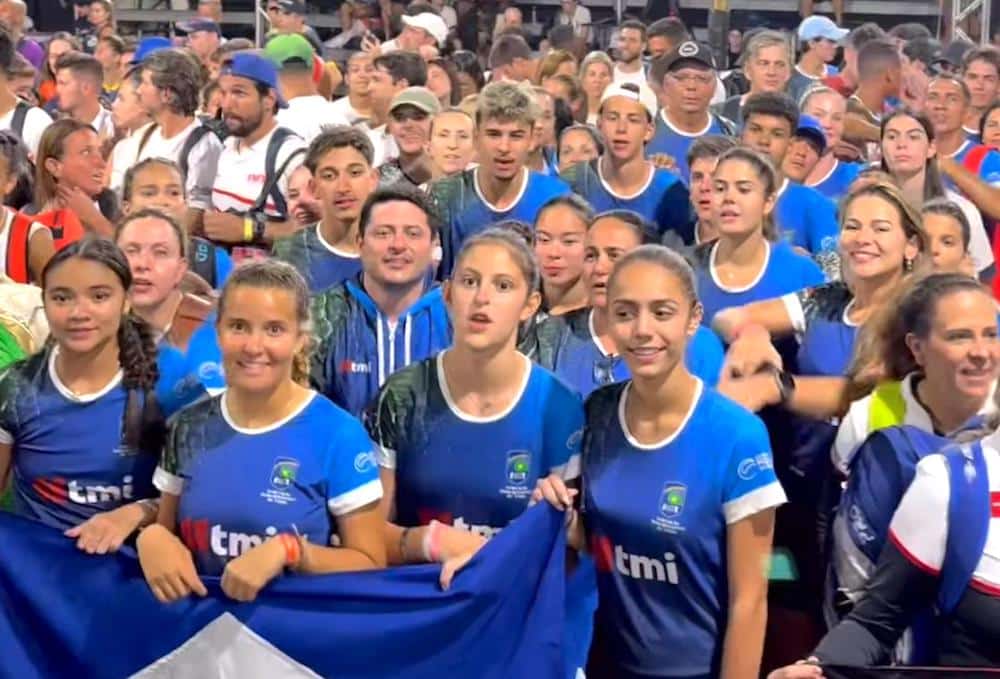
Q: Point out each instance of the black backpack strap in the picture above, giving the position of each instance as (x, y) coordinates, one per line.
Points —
(20, 116)
(145, 140)
(197, 134)
(202, 260)
(273, 174)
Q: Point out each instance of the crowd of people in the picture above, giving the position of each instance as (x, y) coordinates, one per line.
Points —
(267, 315)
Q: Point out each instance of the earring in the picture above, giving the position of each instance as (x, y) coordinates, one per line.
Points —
(907, 265)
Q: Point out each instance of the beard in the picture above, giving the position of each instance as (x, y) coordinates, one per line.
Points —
(242, 127)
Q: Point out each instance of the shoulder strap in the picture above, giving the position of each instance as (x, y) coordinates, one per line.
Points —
(727, 125)
(968, 522)
(145, 140)
(973, 160)
(20, 116)
(270, 188)
(197, 134)
(887, 407)
(17, 248)
(201, 259)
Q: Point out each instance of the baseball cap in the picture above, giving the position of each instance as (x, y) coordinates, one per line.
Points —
(292, 6)
(639, 93)
(810, 128)
(821, 27)
(198, 25)
(282, 49)
(432, 23)
(927, 51)
(147, 46)
(255, 67)
(418, 97)
(690, 50)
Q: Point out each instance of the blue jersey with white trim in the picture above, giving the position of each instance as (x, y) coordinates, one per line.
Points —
(322, 265)
(989, 168)
(663, 201)
(785, 271)
(473, 472)
(358, 350)
(464, 211)
(568, 346)
(189, 375)
(69, 458)
(656, 518)
(295, 476)
(835, 185)
(670, 141)
(807, 219)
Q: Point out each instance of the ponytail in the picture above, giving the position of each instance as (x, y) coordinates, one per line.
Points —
(143, 427)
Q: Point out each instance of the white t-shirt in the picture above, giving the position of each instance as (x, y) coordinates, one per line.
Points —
(202, 161)
(36, 121)
(450, 16)
(854, 429)
(307, 116)
(342, 107)
(384, 144)
(979, 243)
(104, 124)
(580, 21)
(240, 175)
(123, 157)
(638, 78)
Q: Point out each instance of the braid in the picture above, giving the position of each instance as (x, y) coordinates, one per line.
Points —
(144, 427)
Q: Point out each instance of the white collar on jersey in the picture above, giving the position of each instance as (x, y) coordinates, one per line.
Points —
(622, 421)
(71, 395)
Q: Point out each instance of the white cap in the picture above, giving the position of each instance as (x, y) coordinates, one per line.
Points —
(639, 93)
(429, 22)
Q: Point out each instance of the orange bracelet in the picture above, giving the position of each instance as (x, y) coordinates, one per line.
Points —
(293, 550)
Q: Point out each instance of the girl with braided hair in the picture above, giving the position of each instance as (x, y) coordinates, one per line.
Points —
(80, 427)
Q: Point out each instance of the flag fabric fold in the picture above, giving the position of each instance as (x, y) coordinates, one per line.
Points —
(65, 613)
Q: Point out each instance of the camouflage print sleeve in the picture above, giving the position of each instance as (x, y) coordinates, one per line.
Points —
(329, 314)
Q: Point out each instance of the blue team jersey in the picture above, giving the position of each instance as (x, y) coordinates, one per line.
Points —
(321, 264)
(210, 261)
(785, 271)
(568, 346)
(663, 201)
(989, 167)
(668, 140)
(357, 349)
(297, 475)
(807, 219)
(473, 472)
(70, 461)
(835, 185)
(464, 211)
(656, 518)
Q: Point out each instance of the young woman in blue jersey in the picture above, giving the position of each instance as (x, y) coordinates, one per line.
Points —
(306, 468)
(622, 178)
(948, 235)
(831, 176)
(157, 183)
(501, 186)
(463, 436)
(389, 316)
(880, 242)
(340, 160)
(942, 357)
(579, 346)
(747, 262)
(680, 540)
(79, 424)
(559, 235)
(909, 155)
(189, 357)
(703, 157)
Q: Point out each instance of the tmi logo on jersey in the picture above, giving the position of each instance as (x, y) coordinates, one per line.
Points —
(670, 507)
(609, 557)
(349, 367)
(60, 491)
(199, 537)
(425, 516)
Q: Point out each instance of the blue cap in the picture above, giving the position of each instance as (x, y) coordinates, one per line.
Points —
(820, 27)
(198, 25)
(257, 68)
(147, 46)
(811, 129)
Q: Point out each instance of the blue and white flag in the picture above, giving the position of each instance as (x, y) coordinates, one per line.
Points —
(64, 613)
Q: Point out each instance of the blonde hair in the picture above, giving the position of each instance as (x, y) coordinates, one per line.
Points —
(551, 62)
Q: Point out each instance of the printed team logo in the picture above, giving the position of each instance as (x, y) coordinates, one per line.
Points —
(349, 367)
(672, 499)
(748, 468)
(61, 491)
(518, 467)
(517, 475)
(284, 472)
(364, 461)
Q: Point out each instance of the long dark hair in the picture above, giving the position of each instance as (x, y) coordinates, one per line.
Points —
(143, 427)
(933, 185)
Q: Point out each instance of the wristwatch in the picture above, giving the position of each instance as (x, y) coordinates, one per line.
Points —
(786, 385)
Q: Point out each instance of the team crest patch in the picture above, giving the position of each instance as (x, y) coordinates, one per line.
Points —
(284, 474)
(517, 475)
(670, 508)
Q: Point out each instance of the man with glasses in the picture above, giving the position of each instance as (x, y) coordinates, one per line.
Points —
(289, 16)
(688, 87)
